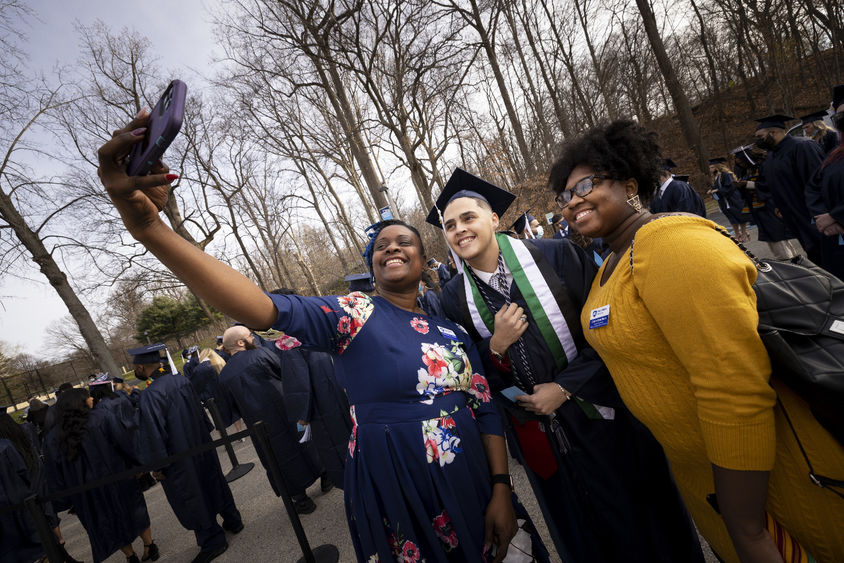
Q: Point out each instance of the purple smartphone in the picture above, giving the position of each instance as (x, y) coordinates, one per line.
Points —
(164, 124)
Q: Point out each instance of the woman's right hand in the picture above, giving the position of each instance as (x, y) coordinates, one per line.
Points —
(138, 199)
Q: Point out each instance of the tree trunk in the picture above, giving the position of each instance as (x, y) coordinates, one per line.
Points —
(515, 122)
(688, 124)
(713, 75)
(41, 256)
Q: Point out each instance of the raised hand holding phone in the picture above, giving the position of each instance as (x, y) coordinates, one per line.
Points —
(162, 127)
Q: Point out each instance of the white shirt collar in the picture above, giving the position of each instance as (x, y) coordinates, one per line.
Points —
(665, 185)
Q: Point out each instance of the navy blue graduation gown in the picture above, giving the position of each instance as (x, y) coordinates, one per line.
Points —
(113, 515)
(678, 197)
(430, 303)
(611, 497)
(172, 421)
(829, 142)
(826, 195)
(443, 274)
(19, 542)
(252, 379)
(730, 200)
(786, 172)
(318, 399)
(206, 382)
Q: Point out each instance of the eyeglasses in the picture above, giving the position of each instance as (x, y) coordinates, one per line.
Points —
(581, 189)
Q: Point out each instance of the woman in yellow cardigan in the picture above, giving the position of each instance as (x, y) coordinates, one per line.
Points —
(672, 312)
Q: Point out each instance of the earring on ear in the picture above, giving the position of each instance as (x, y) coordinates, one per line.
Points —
(633, 201)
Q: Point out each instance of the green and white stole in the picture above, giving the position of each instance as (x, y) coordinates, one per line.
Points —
(540, 301)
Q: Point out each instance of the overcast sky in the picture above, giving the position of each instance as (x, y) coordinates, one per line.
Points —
(181, 36)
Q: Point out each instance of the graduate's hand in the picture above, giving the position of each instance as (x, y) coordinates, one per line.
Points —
(546, 398)
(823, 222)
(510, 324)
(138, 199)
(834, 229)
(500, 521)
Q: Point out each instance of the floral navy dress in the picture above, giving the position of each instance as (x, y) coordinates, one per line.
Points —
(417, 480)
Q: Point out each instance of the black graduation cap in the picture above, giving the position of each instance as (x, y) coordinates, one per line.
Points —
(773, 121)
(147, 354)
(219, 339)
(359, 282)
(717, 160)
(812, 117)
(522, 223)
(117, 379)
(744, 152)
(668, 164)
(837, 96)
(463, 184)
(682, 178)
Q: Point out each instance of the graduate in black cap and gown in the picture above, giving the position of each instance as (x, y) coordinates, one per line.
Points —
(770, 228)
(730, 200)
(85, 445)
(173, 421)
(788, 168)
(252, 381)
(674, 195)
(814, 127)
(825, 197)
(601, 479)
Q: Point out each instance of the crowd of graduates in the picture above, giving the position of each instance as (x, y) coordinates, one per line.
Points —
(616, 359)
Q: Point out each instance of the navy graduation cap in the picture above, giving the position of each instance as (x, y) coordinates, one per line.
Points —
(682, 177)
(359, 282)
(523, 222)
(717, 160)
(812, 117)
(463, 184)
(776, 121)
(668, 164)
(147, 354)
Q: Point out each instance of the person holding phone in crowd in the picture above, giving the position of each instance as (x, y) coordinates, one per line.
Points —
(427, 473)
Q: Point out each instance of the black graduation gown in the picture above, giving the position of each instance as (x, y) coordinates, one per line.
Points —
(612, 497)
(113, 515)
(205, 381)
(172, 421)
(19, 542)
(831, 200)
(730, 200)
(430, 303)
(788, 168)
(253, 381)
(443, 274)
(678, 197)
(315, 397)
(829, 142)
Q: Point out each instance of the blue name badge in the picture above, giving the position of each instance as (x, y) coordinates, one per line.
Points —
(447, 332)
(599, 317)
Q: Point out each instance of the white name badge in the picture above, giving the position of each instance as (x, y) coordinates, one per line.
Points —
(837, 326)
(447, 332)
(599, 317)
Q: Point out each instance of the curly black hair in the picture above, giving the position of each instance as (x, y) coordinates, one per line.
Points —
(621, 149)
(12, 431)
(72, 415)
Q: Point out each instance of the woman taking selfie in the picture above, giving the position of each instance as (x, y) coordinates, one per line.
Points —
(426, 476)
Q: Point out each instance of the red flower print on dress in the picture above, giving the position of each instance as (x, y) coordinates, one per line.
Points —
(435, 362)
(286, 342)
(445, 531)
(410, 552)
(344, 326)
(419, 325)
(326, 309)
(353, 438)
(480, 388)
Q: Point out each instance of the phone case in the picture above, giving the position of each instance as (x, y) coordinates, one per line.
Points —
(164, 124)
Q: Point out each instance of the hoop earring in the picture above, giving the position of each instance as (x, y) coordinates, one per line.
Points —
(633, 201)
